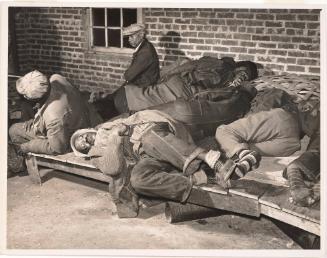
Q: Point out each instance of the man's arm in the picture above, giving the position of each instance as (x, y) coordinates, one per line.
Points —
(143, 60)
(56, 142)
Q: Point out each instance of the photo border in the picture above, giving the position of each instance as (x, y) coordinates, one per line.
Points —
(157, 252)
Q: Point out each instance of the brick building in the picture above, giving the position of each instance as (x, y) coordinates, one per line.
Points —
(57, 40)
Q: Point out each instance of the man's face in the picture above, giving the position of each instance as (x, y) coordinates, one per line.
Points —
(84, 142)
(135, 39)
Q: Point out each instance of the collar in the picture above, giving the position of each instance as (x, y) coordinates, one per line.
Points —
(139, 45)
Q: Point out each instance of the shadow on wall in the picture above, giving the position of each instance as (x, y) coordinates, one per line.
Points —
(263, 70)
(170, 43)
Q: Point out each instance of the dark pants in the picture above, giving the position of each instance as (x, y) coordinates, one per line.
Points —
(112, 105)
(202, 117)
(309, 161)
(159, 172)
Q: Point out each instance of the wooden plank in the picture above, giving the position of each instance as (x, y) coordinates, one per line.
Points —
(230, 202)
(250, 197)
(212, 188)
(278, 197)
(307, 225)
(249, 188)
(270, 170)
(73, 169)
(33, 170)
(67, 158)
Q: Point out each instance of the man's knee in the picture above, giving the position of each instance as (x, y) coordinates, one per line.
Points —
(137, 175)
(141, 173)
(15, 131)
(220, 133)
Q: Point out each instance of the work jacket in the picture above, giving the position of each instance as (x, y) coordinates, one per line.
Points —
(60, 116)
(144, 69)
(115, 156)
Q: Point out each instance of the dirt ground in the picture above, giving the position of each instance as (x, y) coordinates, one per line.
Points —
(70, 212)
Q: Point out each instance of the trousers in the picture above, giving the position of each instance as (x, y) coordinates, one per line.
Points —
(19, 134)
(159, 172)
(270, 133)
(202, 117)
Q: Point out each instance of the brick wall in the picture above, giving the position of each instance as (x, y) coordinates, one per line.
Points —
(280, 39)
(55, 40)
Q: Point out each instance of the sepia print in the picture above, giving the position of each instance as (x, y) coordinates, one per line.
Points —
(163, 128)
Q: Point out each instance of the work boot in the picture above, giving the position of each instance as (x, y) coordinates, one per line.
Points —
(300, 194)
(224, 171)
(16, 163)
(216, 161)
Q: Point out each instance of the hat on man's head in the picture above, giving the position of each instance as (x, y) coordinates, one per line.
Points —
(33, 85)
(77, 134)
(133, 28)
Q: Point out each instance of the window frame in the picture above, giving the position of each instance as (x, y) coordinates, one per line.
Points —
(123, 50)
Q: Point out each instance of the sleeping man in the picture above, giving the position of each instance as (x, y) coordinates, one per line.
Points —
(192, 80)
(278, 132)
(150, 154)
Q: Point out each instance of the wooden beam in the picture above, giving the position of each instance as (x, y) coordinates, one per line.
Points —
(290, 219)
(230, 202)
(33, 170)
(73, 169)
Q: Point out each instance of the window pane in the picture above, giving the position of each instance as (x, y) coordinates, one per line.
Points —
(98, 16)
(99, 37)
(114, 38)
(126, 43)
(129, 16)
(113, 16)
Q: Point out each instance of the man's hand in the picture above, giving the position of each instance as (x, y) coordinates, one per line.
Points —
(121, 130)
(94, 96)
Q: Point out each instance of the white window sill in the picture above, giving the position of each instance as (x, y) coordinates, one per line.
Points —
(112, 50)
(123, 54)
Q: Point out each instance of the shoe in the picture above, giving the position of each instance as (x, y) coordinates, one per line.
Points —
(224, 171)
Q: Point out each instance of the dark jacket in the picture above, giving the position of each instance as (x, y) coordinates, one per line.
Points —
(144, 69)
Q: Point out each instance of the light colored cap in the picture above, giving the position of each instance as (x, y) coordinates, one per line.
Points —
(32, 85)
(133, 28)
(76, 135)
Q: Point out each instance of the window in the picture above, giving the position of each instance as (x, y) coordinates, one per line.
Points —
(106, 26)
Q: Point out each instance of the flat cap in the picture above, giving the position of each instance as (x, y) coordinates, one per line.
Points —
(133, 28)
(77, 134)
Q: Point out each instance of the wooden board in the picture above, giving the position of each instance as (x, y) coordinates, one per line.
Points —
(67, 158)
(270, 170)
(212, 188)
(262, 191)
(249, 188)
(307, 225)
(230, 202)
(278, 197)
(73, 168)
